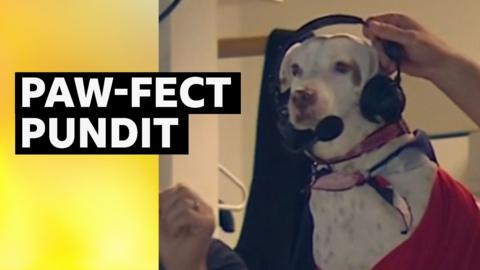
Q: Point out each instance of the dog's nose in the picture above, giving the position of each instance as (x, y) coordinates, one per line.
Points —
(303, 98)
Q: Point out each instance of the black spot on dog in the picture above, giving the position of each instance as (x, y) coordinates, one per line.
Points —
(356, 76)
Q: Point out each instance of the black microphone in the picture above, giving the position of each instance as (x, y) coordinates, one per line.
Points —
(296, 140)
(329, 128)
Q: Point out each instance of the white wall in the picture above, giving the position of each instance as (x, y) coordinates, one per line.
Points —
(427, 108)
(459, 157)
(452, 155)
(188, 43)
(473, 169)
(237, 137)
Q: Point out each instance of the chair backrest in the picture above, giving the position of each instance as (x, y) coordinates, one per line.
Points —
(277, 229)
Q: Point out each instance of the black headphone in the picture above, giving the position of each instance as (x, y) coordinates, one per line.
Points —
(382, 98)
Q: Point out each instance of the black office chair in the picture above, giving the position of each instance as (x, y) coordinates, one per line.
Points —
(277, 228)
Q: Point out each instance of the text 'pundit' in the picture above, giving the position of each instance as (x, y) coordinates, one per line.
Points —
(116, 113)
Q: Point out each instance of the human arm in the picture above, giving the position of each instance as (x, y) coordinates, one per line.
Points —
(428, 57)
(186, 226)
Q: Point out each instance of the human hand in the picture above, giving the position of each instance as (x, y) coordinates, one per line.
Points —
(186, 226)
(426, 56)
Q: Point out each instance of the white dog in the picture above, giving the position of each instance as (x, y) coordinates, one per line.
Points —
(354, 227)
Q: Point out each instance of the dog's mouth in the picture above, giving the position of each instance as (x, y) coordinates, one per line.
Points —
(303, 119)
(328, 129)
(325, 128)
(307, 117)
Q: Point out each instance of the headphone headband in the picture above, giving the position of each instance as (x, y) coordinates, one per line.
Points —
(315, 24)
(392, 49)
(306, 30)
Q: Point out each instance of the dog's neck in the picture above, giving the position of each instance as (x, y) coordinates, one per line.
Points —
(357, 129)
(372, 142)
(371, 150)
(364, 163)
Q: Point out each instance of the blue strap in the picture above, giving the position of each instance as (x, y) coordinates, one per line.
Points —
(421, 142)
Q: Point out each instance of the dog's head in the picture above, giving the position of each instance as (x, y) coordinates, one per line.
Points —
(326, 76)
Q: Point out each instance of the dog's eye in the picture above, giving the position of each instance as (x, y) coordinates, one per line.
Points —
(296, 70)
(342, 67)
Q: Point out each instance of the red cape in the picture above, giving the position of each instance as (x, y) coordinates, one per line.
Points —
(448, 236)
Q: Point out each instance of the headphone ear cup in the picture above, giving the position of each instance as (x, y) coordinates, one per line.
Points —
(382, 98)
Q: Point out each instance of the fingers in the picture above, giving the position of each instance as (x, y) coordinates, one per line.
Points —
(186, 192)
(167, 199)
(171, 195)
(392, 26)
(390, 32)
(396, 19)
(187, 220)
(181, 217)
(179, 205)
(183, 211)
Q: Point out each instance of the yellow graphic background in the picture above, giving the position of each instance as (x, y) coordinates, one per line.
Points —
(71, 212)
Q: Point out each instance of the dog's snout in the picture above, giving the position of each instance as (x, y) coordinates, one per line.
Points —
(303, 98)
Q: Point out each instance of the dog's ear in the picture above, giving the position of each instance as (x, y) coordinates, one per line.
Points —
(385, 64)
(374, 62)
(286, 74)
(367, 60)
